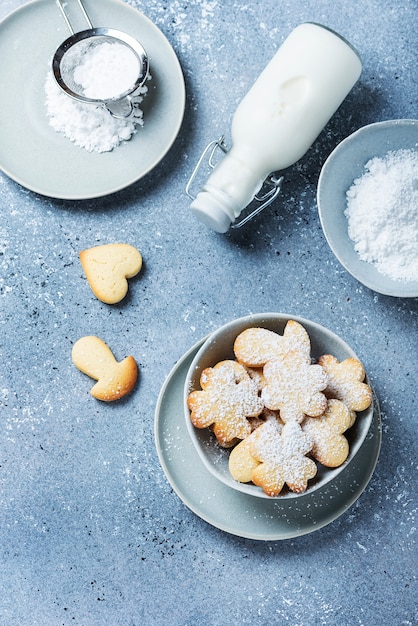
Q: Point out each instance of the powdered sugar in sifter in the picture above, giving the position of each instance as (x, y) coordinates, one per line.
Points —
(117, 59)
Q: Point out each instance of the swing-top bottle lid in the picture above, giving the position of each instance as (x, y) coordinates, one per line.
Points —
(212, 212)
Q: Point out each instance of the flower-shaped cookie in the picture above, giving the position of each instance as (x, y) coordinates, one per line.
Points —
(255, 346)
(294, 387)
(345, 382)
(280, 453)
(227, 398)
(330, 447)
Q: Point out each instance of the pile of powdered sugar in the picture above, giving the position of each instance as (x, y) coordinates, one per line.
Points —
(106, 70)
(88, 125)
(382, 213)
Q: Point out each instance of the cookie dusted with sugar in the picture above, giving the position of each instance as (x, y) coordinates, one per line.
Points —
(228, 397)
(294, 387)
(281, 456)
(108, 267)
(330, 447)
(255, 346)
(346, 382)
(93, 357)
(241, 462)
(256, 373)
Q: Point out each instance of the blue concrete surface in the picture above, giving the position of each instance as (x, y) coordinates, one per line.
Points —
(91, 532)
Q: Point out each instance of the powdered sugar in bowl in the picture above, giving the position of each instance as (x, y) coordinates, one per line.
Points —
(218, 347)
(368, 206)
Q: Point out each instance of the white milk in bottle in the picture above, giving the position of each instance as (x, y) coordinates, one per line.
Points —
(279, 119)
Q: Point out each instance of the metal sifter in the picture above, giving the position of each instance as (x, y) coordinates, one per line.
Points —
(74, 50)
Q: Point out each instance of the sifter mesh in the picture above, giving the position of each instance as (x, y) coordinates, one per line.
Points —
(99, 65)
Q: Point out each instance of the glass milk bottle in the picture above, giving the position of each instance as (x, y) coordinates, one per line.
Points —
(279, 119)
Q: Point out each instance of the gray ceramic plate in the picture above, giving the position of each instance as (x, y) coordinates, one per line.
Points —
(219, 346)
(39, 158)
(238, 513)
(345, 164)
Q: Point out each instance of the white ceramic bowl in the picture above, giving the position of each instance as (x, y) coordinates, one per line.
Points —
(343, 166)
(219, 346)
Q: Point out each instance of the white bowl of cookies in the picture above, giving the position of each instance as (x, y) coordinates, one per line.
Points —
(276, 405)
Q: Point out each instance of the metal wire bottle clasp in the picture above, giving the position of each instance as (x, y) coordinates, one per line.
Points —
(268, 193)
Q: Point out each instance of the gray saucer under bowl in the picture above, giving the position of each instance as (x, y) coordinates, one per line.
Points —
(237, 513)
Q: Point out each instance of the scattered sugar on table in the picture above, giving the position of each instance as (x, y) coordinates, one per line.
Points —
(382, 213)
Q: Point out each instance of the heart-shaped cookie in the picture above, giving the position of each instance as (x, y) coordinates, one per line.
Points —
(107, 269)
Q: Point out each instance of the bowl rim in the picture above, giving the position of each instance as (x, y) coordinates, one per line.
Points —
(365, 272)
(195, 368)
